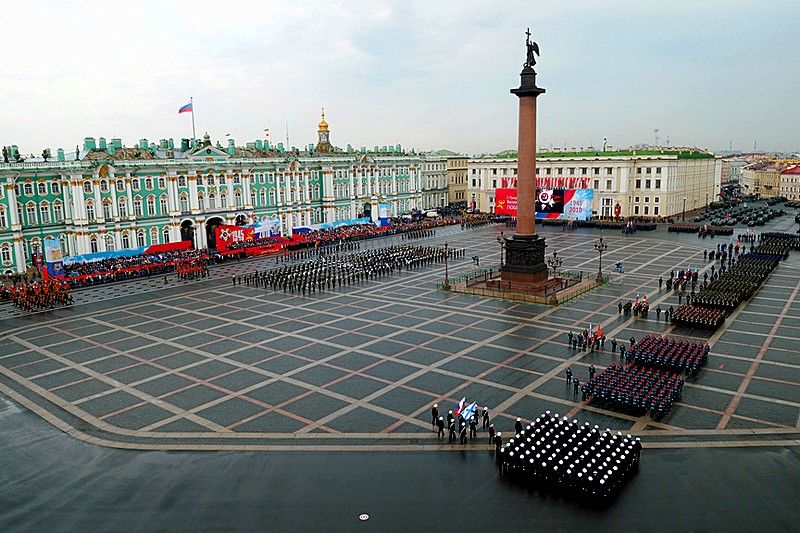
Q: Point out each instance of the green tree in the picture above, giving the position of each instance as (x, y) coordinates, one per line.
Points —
(46, 154)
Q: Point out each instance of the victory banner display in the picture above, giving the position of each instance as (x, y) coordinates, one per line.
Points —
(564, 203)
(550, 203)
(506, 202)
(54, 262)
(227, 235)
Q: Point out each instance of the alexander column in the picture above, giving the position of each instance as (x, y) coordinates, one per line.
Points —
(525, 265)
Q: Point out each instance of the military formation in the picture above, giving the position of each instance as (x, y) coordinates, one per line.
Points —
(38, 295)
(674, 355)
(628, 388)
(583, 461)
(329, 271)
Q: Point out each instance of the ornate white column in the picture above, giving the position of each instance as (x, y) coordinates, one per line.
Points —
(99, 215)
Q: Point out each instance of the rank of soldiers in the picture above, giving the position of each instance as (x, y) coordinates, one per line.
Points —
(328, 271)
(675, 355)
(583, 461)
(634, 389)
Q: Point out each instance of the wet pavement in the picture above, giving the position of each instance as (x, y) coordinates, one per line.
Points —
(337, 387)
(52, 482)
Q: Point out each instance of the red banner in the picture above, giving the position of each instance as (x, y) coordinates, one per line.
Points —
(227, 235)
(506, 202)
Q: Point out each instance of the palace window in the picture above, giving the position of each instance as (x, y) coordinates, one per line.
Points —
(272, 197)
(5, 254)
(103, 186)
(184, 201)
(93, 244)
(162, 205)
(135, 185)
(137, 206)
(42, 186)
(126, 240)
(58, 212)
(140, 238)
(28, 188)
(120, 186)
(165, 235)
(212, 200)
(31, 212)
(237, 198)
(222, 180)
(608, 185)
(201, 202)
(181, 181)
(162, 183)
(262, 197)
(55, 187)
(87, 187)
(154, 236)
(123, 208)
(108, 214)
(211, 180)
(3, 218)
(44, 212)
(89, 210)
(110, 246)
(151, 206)
(148, 183)
(223, 200)
(253, 197)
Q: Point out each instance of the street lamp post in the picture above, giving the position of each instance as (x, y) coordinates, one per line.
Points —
(706, 202)
(446, 285)
(554, 262)
(683, 213)
(601, 247)
(501, 239)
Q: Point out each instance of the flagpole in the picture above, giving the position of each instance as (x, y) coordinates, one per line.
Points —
(191, 102)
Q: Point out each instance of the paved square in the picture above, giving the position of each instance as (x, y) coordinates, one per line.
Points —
(204, 363)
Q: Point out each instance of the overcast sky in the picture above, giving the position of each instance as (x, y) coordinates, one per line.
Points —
(425, 74)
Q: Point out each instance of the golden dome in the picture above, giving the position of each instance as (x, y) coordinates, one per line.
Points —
(323, 126)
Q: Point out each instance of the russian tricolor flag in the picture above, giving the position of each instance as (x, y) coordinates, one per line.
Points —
(186, 109)
(460, 406)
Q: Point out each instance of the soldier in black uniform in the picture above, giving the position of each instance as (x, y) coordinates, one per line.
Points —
(473, 426)
(591, 372)
(568, 373)
(518, 426)
(485, 417)
(434, 414)
(440, 425)
(575, 386)
(491, 433)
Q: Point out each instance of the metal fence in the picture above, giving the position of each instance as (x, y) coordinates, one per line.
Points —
(471, 284)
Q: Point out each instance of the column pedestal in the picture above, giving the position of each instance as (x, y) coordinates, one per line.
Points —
(525, 265)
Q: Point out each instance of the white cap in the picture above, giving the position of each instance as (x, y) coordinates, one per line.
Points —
(499, 434)
(436, 405)
(450, 412)
(519, 419)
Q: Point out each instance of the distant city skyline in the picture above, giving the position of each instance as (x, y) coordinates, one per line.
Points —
(714, 75)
